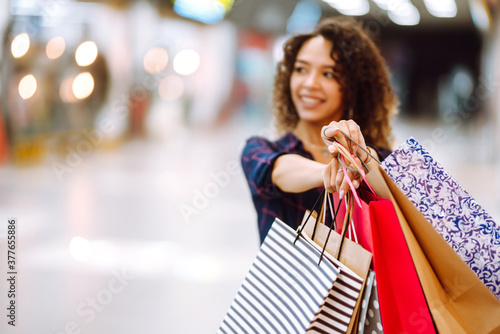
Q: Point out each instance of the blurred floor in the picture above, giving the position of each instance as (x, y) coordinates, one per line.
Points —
(166, 228)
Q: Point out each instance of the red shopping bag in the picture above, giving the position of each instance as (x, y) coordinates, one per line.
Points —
(403, 306)
(359, 215)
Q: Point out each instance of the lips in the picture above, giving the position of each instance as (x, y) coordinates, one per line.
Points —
(310, 101)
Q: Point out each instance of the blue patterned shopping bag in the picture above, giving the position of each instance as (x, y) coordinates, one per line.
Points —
(458, 218)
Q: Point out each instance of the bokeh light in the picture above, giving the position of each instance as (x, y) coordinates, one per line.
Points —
(405, 14)
(80, 249)
(186, 62)
(66, 91)
(55, 47)
(171, 88)
(27, 87)
(86, 53)
(155, 60)
(20, 45)
(83, 85)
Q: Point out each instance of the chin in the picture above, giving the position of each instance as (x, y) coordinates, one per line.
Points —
(313, 117)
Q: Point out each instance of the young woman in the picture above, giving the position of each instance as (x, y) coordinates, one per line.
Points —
(330, 80)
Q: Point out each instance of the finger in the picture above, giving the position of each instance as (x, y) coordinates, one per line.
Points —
(343, 127)
(356, 183)
(327, 175)
(336, 172)
(333, 150)
(353, 132)
(357, 135)
(344, 186)
(338, 179)
(329, 132)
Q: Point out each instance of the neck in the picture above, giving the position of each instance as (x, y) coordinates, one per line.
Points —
(308, 132)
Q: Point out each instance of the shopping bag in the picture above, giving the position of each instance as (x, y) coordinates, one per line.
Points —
(403, 307)
(350, 255)
(338, 309)
(369, 314)
(458, 301)
(360, 214)
(399, 290)
(284, 287)
(458, 218)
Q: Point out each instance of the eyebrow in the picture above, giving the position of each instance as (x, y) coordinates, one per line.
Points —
(308, 63)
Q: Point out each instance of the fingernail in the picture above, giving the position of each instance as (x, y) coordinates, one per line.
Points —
(355, 183)
(329, 131)
(331, 148)
(341, 194)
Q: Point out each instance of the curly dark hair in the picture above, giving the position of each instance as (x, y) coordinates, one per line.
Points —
(362, 74)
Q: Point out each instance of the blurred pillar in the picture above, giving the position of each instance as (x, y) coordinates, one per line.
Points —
(496, 78)
(495, 101)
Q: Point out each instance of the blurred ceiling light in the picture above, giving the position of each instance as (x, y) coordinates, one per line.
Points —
(305, 16)
(441, 8)
(383, 4)
(86, 53)
(480, 14)
(20, 45)
(171, 88)
(83, 85)
(66, 91)
(55, 47)
(27, 87)
(155, 60)
(350, 7)
(206, 11)
(186, 62)
(404, 13)
(80, 249)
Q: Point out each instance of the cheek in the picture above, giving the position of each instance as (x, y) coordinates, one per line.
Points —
(336, 92)
(293, 83)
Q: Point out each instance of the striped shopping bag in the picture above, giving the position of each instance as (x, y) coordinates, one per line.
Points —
(336, 312)
(284, 288)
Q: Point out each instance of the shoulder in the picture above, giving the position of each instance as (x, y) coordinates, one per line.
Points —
(286, 143)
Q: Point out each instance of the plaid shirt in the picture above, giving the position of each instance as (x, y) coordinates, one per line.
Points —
(258, 159)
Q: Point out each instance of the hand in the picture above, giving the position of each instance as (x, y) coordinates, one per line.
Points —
(334, 179)
(333, 175)
(333, 131)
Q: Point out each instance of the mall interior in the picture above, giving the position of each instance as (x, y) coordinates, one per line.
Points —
(121, 134)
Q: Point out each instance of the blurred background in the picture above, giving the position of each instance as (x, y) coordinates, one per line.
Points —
(122, 124)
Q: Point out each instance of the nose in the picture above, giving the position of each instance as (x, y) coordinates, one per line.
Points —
(311, 80)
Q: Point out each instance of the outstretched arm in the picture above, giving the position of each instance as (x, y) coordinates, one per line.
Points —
(293, 173)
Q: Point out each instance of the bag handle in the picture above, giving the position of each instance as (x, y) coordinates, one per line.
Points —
(334, 217)
(344, 154)
(357, 144)
(314, 208)
(347, 219)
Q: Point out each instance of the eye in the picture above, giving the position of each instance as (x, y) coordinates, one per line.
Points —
(329, 75)
(299, 69)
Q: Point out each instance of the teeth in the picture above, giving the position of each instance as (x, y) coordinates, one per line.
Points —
(310, 99)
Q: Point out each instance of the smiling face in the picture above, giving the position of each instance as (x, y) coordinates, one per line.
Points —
(316, 93)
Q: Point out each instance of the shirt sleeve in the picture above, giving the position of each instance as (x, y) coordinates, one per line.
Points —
(258, 158)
